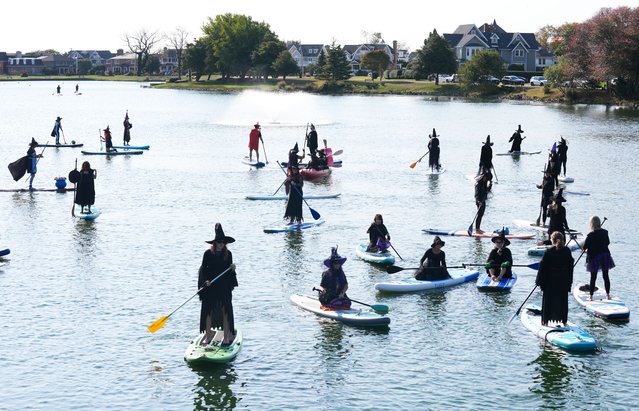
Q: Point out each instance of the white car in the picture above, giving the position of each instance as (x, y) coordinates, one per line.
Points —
(538, 81)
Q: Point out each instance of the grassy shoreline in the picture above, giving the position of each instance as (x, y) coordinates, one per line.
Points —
(362, 85)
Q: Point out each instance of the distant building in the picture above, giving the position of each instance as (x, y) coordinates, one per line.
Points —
(545, 58)
(168, 61)
(4, 62)
(305, 55)
(122, 63)
(19, 65)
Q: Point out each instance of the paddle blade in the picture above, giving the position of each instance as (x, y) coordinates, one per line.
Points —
(380, 308)
(315, 214)
(513, 317)
(534, 266)
(158, 324)
(338, 152)
(413, 165)
(393, 269)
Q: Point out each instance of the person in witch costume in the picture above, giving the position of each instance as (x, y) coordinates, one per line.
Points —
(483, 184)
(598, 255)
(216, 297)
(334, 285)
(294, 158)
(500, 260)
(127, 129)
(432, 266)
(433, 151)
(108, 140)
(554, 277)
(32, 161)
(255, 136)
(516, 139)
(57, 128)
(85, 192)
(294, 185)
(557, 215)
(378, 237)
(547, 189)
(562, 154)
(486, 156)
(311, 140)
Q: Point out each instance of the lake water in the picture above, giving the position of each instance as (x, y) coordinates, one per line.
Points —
(76, 296)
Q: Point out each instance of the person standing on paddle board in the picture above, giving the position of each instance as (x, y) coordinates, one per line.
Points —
(500, 260)
(562, 154)
(482, 187)
(516, 139)
(255, 136)
(58, 89)
(378, 237)
(294, 185)
(334, 285)
(32, 161)
(217, 297)
(108, 140)
(486, 156)
(432, 266)
(554, 164)
(85, 191)
(433, 151)
(598, 255)
(555, 280)
(57, 127)
(547, 189)
(311, 140)
(127, 129)
(557, 215)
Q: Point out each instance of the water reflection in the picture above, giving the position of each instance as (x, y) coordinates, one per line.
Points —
(85, 237)
(213, 389)
(433, 303)
(553, 377)
(433, 185)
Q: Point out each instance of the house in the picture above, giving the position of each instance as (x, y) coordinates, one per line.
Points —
(19, 65)
(57, 64)
(168, 61)
(305, 55)
(545, 58)
(96, 57)
(355, 52)
(122, 63)
(514, 48)
(4, 62)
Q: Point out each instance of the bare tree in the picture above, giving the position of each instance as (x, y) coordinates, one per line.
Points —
(141, 44)
(178, 40)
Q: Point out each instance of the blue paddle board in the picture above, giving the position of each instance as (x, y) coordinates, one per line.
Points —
(252, 163)
(133, 147)
(293, 227)
(4, 252)
(485, 283)
(95, 213)
(61, 145)
(374, 257)
(112, 153)
(572, 337)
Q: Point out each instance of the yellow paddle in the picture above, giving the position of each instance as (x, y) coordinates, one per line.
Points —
(159, 323)
(413, 165)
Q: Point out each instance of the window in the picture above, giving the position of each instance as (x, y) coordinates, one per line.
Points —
(519, 53)
(494, 39)
(542, 62)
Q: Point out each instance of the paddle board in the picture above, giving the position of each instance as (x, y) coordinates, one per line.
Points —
(213, 352)
(293, 227)
(133, 147)
(95, 213)
(61, 145)
(374, 257)
(26, 190)
(573, 337)
(285, 197)
(565, 179)
(573, 245)
(434, 171)
(532, 225)
(112, 153)
(412, 285)
(601, 306)
(252, 163)
(484, 283)
(4, 252)
(356, 317)
(519, 153)
(464, 233)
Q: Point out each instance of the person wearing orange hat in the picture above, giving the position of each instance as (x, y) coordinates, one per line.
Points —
(255, 136)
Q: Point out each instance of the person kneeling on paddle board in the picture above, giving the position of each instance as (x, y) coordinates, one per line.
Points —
(216, 297)
(432, 266)
(334, 284)
(294, 188)
(378, 237)
(500, 260)
(108, 140)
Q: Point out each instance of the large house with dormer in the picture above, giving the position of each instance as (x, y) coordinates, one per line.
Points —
(305, 55)
(514, 48)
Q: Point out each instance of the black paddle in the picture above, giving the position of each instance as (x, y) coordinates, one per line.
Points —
(314, 213)
(534, 266)
(470, 227)
(496, 178)
(395, 269)
(389, 243)
(75, 190)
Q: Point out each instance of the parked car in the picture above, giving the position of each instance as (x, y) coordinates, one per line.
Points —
(488, 79)
(453, 79)
(513, 80)
(538, 81)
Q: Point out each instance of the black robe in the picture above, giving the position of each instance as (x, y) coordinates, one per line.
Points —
(85, 194)
(433, 154)
(294, 189)
(216, 298)
(555, 280)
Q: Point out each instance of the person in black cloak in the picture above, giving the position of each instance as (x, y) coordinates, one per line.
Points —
(334, 285)
(562, 154)
(32, 161)
(547, 189)
(516, 139)
(85, 191)
(557, 215)
(378, 236)
(433, 151)
(486, 156)
(554, 277)
(294, 158)
(294, 188)
(216, 297)
(311, 140)
(432, 266)
(500, 260)
(483, 183)
(127, 129)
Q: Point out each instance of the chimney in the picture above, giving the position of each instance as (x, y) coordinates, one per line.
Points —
(119, 52)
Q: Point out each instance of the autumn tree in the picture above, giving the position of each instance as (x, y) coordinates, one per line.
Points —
(141, 44)
(435, 57)
(376, 60)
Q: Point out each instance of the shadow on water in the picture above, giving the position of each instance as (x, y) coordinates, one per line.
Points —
(553, 378)
(433, 303)
(213, 389)
(86, 237)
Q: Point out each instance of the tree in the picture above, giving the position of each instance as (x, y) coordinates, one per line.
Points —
(545, 34)
(266, 54)
(335, 66)
(83, 66)
(179, 42)
(373, 38)
(376, 60)
(435, 57)
(285, 65)
(483, 63)
(320, 70)
(152, 65)
(141, 44)
(195, 56)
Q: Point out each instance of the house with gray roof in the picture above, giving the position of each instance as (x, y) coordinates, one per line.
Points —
(514, 48)
(305, 55)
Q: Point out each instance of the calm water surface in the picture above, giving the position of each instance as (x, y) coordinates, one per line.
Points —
(76, 296)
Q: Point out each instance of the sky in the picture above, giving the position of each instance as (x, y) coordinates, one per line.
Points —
(80, 25)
